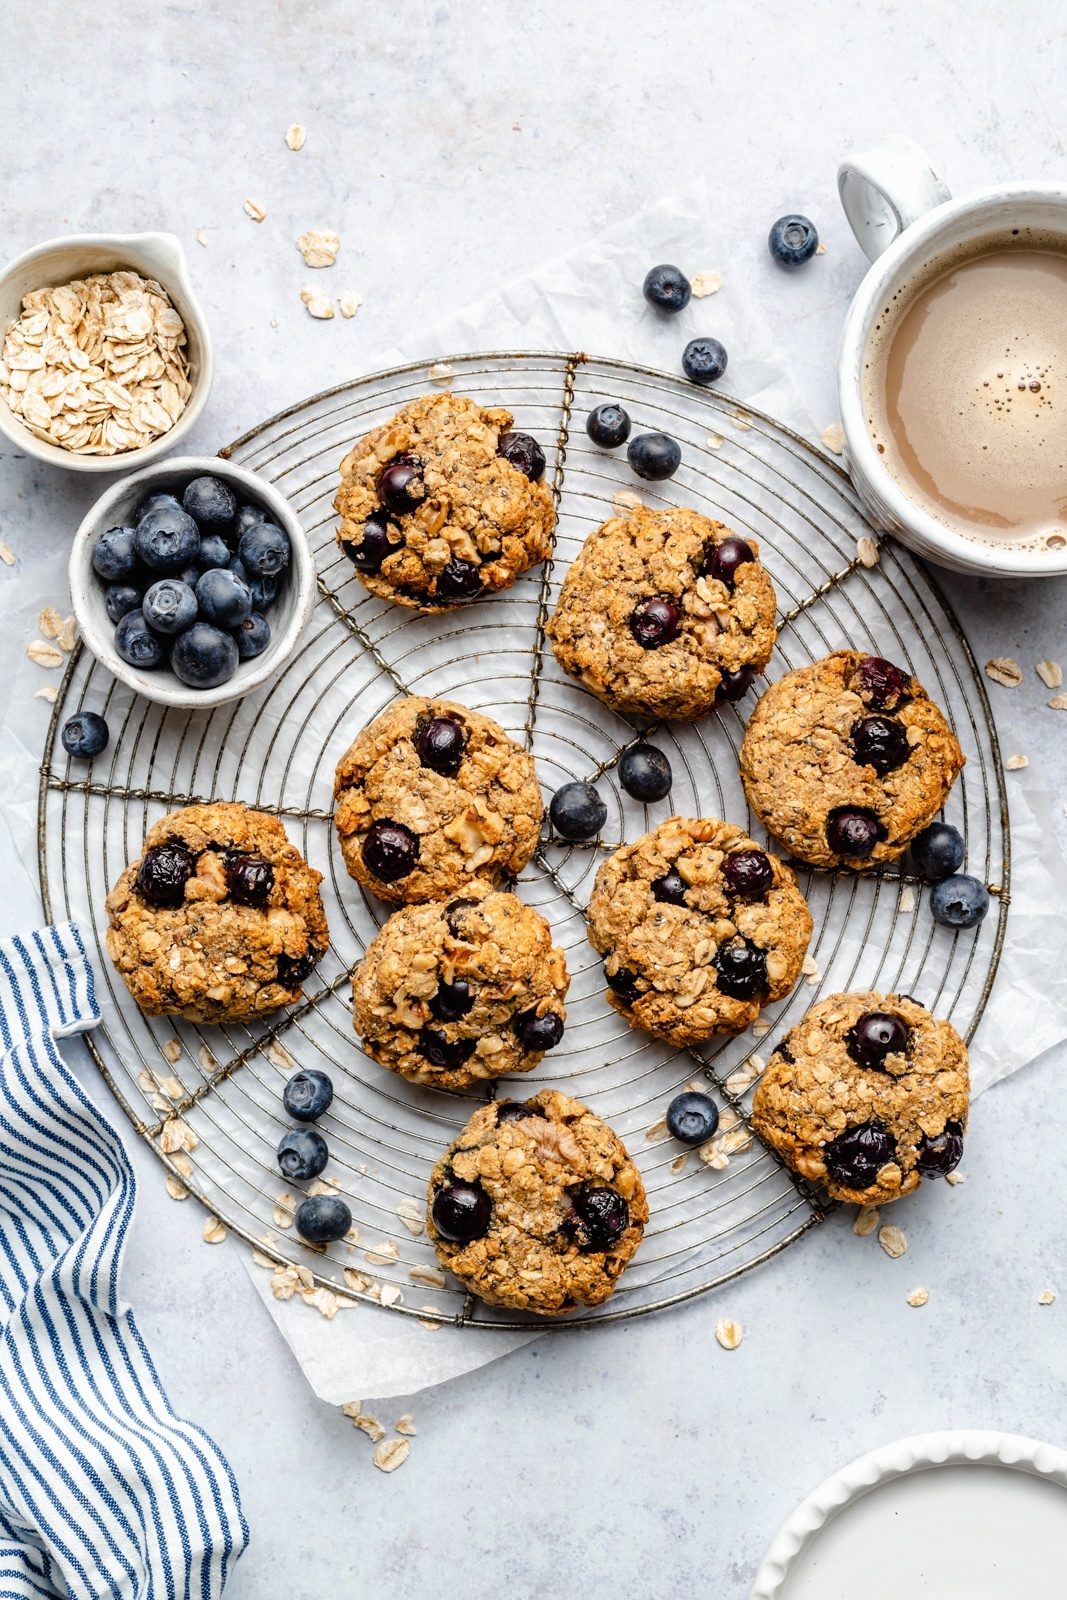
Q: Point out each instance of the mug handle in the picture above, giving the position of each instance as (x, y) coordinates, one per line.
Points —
(886, 188)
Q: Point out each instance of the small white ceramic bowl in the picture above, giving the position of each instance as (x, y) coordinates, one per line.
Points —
(153, 255)
(288, 616)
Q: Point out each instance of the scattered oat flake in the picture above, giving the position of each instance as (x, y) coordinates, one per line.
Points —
(918, 1297)
(67, 637)
(1050, 673)
(45, 655)
(714, 441)
(324, 1186)
(865, 1222)
(391, 1454)
(658, 1130)
(49, 621)
(381, 1253)
(705, 283)
(254, 210)
(405, 1426)
(282, 1211)
(1016, 763)
(181, 1161)
(441, 372)
(1046, 1299)
(263, 1261)
(833, 438)
(172, 1049)
(907, 898)
(369, 1425)
(892, 1240)
(319, 305)
(319, 249)
(7, 555)
(214, 1231)
(356, 1281)
(177, 1135)
(353, 1236)
(679, 1162)
(176, 1190)
(954, 1178)
(324, 1300)
(410, 1215)
(431, 1277)
(1003, 669)
(728, 1333)
(390, 1295)
(867, 552)
(1058, 702)
(433, 1318)
(201, 236)
(741, 422)
(760, 1028)
(49, 693)
(206, 1059)
(350, 302)
(295, 134)
(279, 1055)
(820, 249)
(627, 499)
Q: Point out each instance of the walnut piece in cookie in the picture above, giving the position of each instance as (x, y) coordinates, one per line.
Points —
(846, 760)
(444, 503)
(536, 1205)
(454, 991)
(665, 614)
(867, 1094)
(700, 928)
(219, 920)
(431, 795)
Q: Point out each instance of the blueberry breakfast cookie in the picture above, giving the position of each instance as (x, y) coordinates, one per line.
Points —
(699, 927)
(536, 1205)
(456, 990)
(665, 614)
(847, 760)
(444, 503)
(219, 920)
(432, 795)
(867, 1095)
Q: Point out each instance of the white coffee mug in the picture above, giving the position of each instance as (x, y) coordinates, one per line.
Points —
(904, 217)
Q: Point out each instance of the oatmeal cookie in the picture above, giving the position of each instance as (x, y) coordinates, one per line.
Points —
(867, 1095)
(432, 795)
(536, 1205)
(457, 990)
(847, 760)
(444, 503)
(664, 613)
(219, 920)
(699, 927)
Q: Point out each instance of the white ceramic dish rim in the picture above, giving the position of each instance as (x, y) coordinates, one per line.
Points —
(918, 1453)
(171, 270)
(914, 526)
(166, 690)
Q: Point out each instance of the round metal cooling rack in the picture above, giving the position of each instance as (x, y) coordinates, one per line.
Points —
(208, 1099)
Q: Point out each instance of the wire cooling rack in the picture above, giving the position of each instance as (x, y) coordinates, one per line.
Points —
(216, 1092)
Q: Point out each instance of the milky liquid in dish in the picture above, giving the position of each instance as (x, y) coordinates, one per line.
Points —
(966, 394)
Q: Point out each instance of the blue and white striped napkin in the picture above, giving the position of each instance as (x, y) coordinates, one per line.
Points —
(104, 1492)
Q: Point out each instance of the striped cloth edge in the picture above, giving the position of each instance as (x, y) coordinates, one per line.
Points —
(103, 1490)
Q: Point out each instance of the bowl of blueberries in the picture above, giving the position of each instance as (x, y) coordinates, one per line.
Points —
(192, 581)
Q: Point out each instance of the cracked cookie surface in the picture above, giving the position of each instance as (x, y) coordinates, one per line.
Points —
(800, 765)
(210, 957)
(689, 911)
(535, 1254)
(649, 556)
(446, 989)
(483, 821)
(469, 505)
(815, 1090)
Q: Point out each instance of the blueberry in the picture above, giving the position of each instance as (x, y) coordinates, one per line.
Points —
(373, 545)
(84, 735)
(461, 1212)
(885, 685)
(538, 1033)
(252, 636)
(853, 832)
(724, 558)
(577, 811)
(210, 501)
(153, 502)
(441, 745)
(704, 360)
(167, 540)
(879, 742)
(734, 686)
(307, 1095)
(249, 879)
(655, 622)
(302, 1153)
(235, 564)
(460, 580)
(742, 970)
(214, 552)
(293, 970)
(137, 644)
(692, 1117)
(163, 874)
(938, 851)
(877, 1034)
(401, 488)
(516, 1110)
(602, 1217)
(524, 453)
(608, 426)
(264, 592)
(645, 772)
(169, 606)
(322, 1217)
(203, 656)
(654, 456)
(247, 517)
(624, 984)
(115, 555)
(264, 549)
(120, 598)
(223, 599)
(450, 1001)
(940, 1155)
(190, 576)
(390, 851)
(455, 912)
(667, 288)
(748, 873)
(959, 902)
(670, 889)
(856, 1157)
(792, 241)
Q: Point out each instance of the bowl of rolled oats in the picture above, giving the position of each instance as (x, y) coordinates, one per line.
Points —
(105, 356)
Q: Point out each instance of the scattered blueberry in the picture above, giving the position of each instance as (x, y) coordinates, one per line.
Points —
(461, 1212)
(213, 552)
(167, 540)
(938, 851)
(539, 1033)
(115, 555)
(853, 832)
(460, 580)
(307, 1095)
(373, 546)
(608, 426)
(876, 1035)
(223, 599)
(212, 502)
(645, 772)
(704, 360)
(734, 686)
(577, 812)
(302, 1153)
(959, 902)
(322, 1217)
(524, 454)
(441, 745)
(879, 742)
(249, 879)
(440, 1051)
(203, 656)
(120, 598)
(942, 1154)
(164, 872)
(400, 485)
(247, 517)
(655, 622)
(856, 1157)
(136, 643)
(748, 873)
(264, 549)
(692, 1117)
(667, 288)
(670, 889)
(623, 983)
(252, 636)
(390, 851)
(602, 1217)
(724, 558)
(742, 969)
(450, 1001)
(885, 685)
(654, 456)
(84, 735)
(792, 241)
(169, 606)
